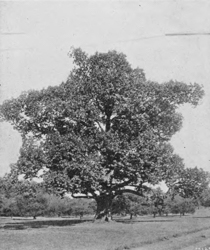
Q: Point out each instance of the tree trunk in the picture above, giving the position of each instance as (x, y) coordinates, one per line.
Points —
(80, 216)
(160, 213)
(103, 211)
(131, 216)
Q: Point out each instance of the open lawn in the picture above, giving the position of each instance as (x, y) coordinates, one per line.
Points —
(145, 232)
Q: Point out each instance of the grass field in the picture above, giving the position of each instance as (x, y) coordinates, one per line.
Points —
(73, 234)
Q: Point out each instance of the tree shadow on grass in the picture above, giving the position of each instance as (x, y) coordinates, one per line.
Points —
(201, 217)
(139, 221)
(22, 219)
(43, 223)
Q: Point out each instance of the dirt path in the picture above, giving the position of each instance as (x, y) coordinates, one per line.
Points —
(195, 241)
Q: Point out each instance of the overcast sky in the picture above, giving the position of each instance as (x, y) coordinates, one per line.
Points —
(37, 35)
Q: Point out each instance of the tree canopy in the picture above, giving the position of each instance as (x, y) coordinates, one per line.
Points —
(103, 132)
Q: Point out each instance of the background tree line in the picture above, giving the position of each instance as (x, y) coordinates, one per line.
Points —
(25, 198)
(28, 198)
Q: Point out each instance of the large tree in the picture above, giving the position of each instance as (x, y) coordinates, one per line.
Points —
(103, 132)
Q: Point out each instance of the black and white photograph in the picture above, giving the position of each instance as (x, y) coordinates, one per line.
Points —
(105, 125)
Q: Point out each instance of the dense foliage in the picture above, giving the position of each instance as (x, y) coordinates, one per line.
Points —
(205, 198)
(103, 132)
(130, 204)
(25, 198)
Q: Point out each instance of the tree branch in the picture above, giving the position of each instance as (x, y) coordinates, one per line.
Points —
(82, 196)
(125, 183)
(119, 192)
(100, 126)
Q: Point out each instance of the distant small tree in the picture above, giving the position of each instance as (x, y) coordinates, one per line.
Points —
(128, 204)
(10, 207)
(157, 199)
(57, 206)
(1, 203)
(205, 198)
(153, 210)
(82, 207)
(31, 204)
(37, 205)
(182, 206)
(119, 205)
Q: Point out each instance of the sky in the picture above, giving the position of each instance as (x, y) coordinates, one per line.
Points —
(36, 37)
